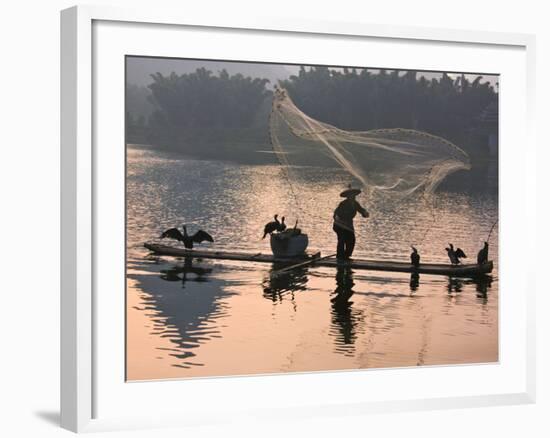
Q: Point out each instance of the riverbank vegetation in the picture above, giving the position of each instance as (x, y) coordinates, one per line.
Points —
(223, 116)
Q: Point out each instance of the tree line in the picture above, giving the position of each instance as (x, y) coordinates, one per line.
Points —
(226, 116)
(363, 99)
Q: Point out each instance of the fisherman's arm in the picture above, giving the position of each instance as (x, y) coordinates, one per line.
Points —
(361, 210)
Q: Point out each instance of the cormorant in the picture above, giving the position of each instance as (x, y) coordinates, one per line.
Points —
(483, 254)
(455, 255)
(415, 257)
(270, 227)
(296, 231)
(282, 225)
(188, 241)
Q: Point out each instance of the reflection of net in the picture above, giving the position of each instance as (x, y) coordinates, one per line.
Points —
(385, 161)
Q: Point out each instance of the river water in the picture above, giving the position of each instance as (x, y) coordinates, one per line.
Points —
(188, 318)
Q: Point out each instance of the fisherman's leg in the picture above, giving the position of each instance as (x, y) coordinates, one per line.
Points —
(345, 238)
(350, 244)
(340, 248)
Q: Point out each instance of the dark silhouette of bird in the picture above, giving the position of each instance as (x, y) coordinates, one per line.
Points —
(483, 254)
(188, 240)
(455, 254)
(282, 225)
(415, 257)
(270, 227)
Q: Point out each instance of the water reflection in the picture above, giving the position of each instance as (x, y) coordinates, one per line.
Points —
(277, 284)
(414, 282)
(180, 273)
(337, 319)
(186, 318)
(344, 317)
(482, 285)
(454, 285)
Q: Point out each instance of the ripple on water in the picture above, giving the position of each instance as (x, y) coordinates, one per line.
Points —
(217, 318)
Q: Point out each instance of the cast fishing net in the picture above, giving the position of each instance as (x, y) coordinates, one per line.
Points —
(391, 163)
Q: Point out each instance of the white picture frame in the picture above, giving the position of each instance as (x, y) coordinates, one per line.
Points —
(84, 174)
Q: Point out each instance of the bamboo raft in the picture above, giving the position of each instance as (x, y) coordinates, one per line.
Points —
(462, 270)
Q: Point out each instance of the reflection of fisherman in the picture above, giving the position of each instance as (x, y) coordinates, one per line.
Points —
(342, 314)
(344, 287)
(343, 223)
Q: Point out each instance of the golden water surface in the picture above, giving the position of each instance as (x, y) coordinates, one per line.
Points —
(188, 318)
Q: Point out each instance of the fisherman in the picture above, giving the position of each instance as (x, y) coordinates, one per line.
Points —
(343, 223)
